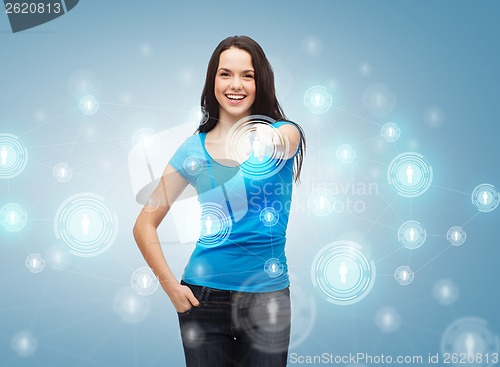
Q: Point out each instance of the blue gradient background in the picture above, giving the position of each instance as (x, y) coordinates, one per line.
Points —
(443, 54)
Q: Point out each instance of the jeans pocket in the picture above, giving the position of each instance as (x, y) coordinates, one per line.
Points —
(185, 312)
(198, 292)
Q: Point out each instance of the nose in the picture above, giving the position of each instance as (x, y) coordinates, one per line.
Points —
(236, 84)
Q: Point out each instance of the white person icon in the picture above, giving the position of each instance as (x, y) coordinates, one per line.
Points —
(3, 156)
(409, 173)
(85, 224)
(343, 272)
(208, 224)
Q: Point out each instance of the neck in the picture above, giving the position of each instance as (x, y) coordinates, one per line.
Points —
(225, 123)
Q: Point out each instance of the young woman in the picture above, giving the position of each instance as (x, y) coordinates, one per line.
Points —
(233, 301)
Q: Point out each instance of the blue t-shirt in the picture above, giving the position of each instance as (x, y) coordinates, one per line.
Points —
(244, 218)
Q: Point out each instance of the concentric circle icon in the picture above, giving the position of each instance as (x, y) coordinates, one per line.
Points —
(193, 165)
(264, 318)
(35, 263)
(269, 216)
(410, 174)
(343, 272)
(472, 341)
(274, 267)
(411, 234)
(318, 100)
(485, 197)
(62, 172)
(13, 217)
(85, 224)
(215, 225)
(257, 147)
(404, 275)
(144, 281)
(13, 156)
(456, 235)
(152, 203)
(345, 153)
(88, 105)
(390, 132)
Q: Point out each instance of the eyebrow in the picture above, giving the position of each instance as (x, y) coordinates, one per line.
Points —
(244, 71)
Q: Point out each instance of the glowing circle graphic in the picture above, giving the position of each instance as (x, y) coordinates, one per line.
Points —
(264, 321)
(343, 272)
(390, 132)
(345, 153)
(456, 236)
(144, 281)
(62, 172)
(269, 216)
(274, 267)
(215, 225)
(410, 174)
(257, 147)
(445, 291)
(411, 234)
(13, 217)
(321, 202)
(404, 275)
(35, 263)
(318, 100)
(88, 105)
(193, 165)
(24, 343)
(13, 156)
(86, 224)
(472, 341)
(485, 197)
(388, 319)
(131, 307)
(153, 203)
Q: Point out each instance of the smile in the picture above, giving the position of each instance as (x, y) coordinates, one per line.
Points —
(235, 97)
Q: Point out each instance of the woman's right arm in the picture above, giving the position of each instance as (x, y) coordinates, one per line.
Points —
(171, 185)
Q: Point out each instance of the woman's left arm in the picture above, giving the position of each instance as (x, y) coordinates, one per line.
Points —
(291, 133)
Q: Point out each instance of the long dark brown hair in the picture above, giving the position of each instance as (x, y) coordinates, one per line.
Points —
(266, 103)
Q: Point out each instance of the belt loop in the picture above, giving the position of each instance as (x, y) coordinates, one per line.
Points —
(202, 294)
(205, 295)
(261, 298)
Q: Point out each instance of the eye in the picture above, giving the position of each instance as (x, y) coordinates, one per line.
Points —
(248, 76)
(224, 74)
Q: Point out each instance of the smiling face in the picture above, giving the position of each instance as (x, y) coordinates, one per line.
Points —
(234, 84)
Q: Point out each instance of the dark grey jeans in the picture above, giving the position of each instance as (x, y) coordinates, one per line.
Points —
(236, 329)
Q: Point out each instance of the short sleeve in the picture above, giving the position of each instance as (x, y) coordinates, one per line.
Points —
(277, 124)
(188, 157)
(177, 160)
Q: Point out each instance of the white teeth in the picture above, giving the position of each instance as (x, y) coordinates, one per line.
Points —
(235, 96)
